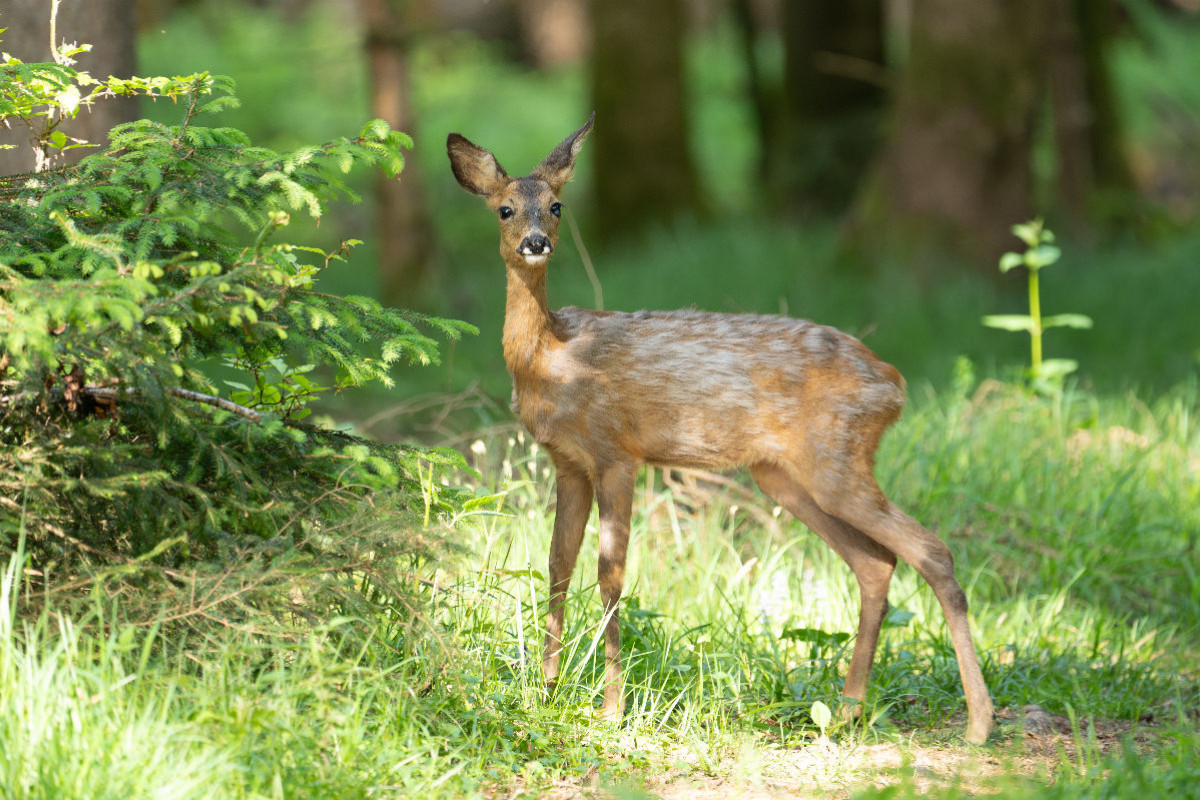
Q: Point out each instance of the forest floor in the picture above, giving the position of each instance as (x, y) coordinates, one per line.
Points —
(1029, 744)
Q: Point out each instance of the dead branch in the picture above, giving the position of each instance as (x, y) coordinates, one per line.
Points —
(110, 394)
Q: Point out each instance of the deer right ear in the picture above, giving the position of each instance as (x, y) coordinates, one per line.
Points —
(476, 169)
(556, 169)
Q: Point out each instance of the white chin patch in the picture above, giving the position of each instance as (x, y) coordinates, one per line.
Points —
(536, 260)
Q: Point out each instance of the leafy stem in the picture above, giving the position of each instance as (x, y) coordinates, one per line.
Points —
(1035, 316)
(1040, 252)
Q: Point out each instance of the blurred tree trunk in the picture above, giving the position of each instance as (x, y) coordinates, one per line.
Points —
(151, 13)
(1088, 135)
(553, 32)
(766, 95)
(1111, 172)
(1071, 113)
(955, 172)
(402, 227)
(834, 94)
(110, 26)
(957, 168)
(643, 171)
(819, 127)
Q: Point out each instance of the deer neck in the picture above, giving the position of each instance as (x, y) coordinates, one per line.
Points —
(527, 320)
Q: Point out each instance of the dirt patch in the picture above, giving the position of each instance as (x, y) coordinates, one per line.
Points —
(1030, 745)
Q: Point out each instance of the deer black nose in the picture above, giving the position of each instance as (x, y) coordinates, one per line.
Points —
(535, 245)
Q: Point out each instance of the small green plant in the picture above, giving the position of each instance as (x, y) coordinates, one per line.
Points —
(1040, 252)
(822, 716)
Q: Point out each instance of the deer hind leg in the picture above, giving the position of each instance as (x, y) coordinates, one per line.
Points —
(871, 563)
(854, 497)
(574, 492)
(614, 495)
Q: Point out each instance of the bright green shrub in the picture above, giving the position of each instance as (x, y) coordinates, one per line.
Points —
(128, 282)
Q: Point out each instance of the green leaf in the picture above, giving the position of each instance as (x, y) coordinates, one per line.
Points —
(1010, 260)
(897, 618)
(1026, 232)
(815, 636)
(375, 129)
(821, 715)
(69, 99)
(1067, 321)
(484, 502)
(1009, 322)
(1042, 256)
(1055, 368)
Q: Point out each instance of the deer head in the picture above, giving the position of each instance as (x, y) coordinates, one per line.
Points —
(528, 208)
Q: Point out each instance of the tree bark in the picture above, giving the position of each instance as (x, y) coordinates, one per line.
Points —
(554, 32)
(1110, 163)
(110, 26)
(644, 173)
(834, 93)
(955, 172)
(402, 229)
(1088, 134)
(765, 95)
(1071, 113)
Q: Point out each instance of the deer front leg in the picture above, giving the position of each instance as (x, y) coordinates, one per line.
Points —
(614, 495)
(574, 492)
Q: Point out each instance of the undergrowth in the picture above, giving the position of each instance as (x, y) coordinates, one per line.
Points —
(1074, 522)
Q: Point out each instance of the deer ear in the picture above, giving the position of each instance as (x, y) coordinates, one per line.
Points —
(556, 169)
(476, 169)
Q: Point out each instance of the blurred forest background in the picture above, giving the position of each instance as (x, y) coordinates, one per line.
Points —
(857, 162)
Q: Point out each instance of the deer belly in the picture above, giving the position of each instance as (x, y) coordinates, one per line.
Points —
(596, 422)
(695, 436)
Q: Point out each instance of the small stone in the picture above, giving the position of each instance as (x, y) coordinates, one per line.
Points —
(1037, 721)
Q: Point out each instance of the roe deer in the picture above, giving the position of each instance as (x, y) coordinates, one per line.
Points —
(803, 405)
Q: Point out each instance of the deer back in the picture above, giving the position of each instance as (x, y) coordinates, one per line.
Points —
(701, 389)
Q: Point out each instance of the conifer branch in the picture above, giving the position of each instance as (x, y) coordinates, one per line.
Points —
(129, 264)
(112, 393)
(106, 392)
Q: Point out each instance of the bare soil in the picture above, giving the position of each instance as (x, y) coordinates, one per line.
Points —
(1030, 745)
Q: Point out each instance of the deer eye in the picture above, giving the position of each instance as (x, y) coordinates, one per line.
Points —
(505, 212)
(556, 209)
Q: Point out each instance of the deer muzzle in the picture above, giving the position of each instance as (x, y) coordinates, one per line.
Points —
(535, 247)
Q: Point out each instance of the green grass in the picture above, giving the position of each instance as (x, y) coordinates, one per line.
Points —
(1074, 522)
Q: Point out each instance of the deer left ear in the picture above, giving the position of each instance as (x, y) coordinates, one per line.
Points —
(476, 169)
(557, 167)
